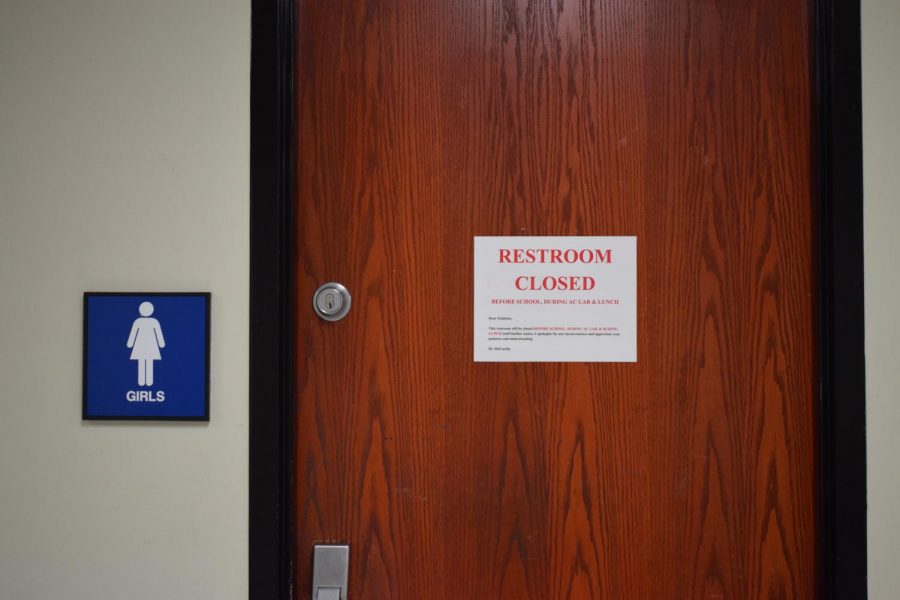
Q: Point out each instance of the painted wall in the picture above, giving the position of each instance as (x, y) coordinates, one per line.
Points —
(881, 167)
(124, 145)
(124, 165)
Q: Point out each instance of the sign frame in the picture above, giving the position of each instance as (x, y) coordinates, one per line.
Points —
(108, 416)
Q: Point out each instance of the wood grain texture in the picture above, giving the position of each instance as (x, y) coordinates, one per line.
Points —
(689, 474)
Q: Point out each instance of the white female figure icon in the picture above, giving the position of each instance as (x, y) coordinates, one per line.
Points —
(145, 340)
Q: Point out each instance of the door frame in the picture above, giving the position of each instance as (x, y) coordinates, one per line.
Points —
(839, 195)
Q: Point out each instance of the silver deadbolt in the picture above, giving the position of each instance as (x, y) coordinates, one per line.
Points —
(331, 301)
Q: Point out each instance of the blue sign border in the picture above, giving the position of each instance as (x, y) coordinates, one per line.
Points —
(207, 297)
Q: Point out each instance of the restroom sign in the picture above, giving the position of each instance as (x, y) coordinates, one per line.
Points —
(146, 356)
(555, 299)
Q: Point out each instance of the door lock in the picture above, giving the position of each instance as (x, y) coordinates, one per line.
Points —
(331, 302)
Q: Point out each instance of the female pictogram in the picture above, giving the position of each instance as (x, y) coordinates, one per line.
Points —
(145, 340)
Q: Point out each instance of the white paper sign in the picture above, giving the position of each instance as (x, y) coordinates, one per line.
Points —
(555, 299)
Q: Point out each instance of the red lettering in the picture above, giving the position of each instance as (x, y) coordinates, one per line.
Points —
(550, 283)
(554, 255)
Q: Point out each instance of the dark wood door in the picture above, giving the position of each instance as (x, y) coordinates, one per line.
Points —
(687, 474)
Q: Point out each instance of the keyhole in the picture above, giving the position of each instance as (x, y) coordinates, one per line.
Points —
(331, 301)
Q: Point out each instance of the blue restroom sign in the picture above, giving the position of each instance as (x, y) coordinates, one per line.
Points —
(146, 356)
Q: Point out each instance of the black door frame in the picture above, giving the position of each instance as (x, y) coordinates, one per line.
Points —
(838, 173)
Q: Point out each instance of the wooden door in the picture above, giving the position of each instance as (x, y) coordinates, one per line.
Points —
(687, 474)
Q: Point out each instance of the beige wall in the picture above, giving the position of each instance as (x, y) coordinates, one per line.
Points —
(124, 165)
(124, 129)
(881, 133)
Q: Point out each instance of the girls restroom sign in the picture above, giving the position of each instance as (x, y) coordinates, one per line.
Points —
(146, 356)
